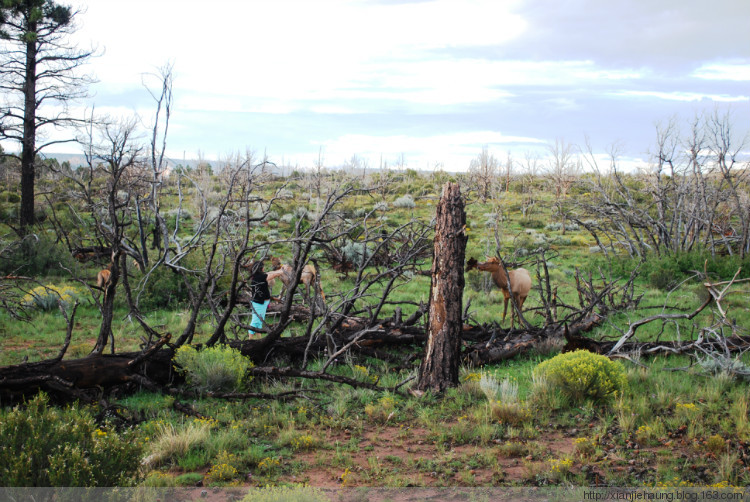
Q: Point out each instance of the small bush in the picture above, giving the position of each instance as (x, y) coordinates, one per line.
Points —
(297, 441)
(381, 411)
(47, 446)
(663, 279)
(355, 252)
(215, 369)
(48, 297)
(585, 447)
(224, 468)
(556, 227)
(716, 444)
(583, 375)
(505, 406)
(171, 444)
(531, 223)
(405, 202)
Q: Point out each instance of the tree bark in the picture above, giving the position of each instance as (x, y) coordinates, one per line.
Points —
(108, 307)
(28, 147)
(439, 368)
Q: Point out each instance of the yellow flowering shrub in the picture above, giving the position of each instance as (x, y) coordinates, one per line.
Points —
(269, 464)
(345, 476)
(304, 442)
(559, 468)
(716, 444)
(224, 467)
(585, 447)
(40, 444)
(583, 375)
(221, 472)
(472, 377)
(579, 240)
(47, 297)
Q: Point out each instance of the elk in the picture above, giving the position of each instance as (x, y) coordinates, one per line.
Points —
(286, 274)
(520, 283)
(102, 278)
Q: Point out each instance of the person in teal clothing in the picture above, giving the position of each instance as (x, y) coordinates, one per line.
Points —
(261, 297)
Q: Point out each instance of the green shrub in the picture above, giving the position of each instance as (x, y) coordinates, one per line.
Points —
(8, 196)
(47, 297)
(47, 446)
(663, 279)
(214, 369)
(164, 289)
(583, 375)
(530, 223)
(33, 256)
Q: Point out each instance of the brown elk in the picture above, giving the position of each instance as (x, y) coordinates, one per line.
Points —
(520, 283)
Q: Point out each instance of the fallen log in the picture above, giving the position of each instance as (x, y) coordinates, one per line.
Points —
(65, 378)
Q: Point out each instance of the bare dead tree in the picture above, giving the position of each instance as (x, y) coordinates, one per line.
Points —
(563, 168)
(690, 196)
(483, 172)
(113, 156)
(726, 150)
(531, 168)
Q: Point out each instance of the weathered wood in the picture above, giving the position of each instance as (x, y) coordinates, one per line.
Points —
(64, 377)
(439, 368)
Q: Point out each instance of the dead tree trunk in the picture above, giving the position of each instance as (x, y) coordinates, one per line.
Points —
(439, 369)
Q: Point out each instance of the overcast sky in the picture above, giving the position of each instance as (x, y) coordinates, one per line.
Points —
(429, 81)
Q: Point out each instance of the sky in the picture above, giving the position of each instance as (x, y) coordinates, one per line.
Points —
(426, 83)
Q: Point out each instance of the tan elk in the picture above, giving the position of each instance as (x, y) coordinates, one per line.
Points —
(520, 283)
(286, 274)
(102, 278)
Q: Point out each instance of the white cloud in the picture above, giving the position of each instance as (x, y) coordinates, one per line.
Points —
(454, 150)
(724, 71)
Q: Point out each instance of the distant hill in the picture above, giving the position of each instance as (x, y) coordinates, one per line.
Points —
(78, 159)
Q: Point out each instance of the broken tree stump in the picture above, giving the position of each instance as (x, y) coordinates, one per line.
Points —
(439, 368)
